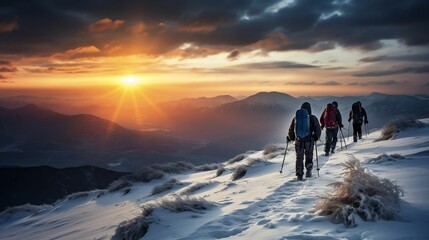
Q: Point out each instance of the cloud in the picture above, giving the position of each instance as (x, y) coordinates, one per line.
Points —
(234, 55)
(313, 83)
(207, 20)
(105, 24)
(373, 59)
(8, 69)
(274, 65)
(55, 26)
(8, 26)
(4, 79)
(423, 57)
(81, 52)
(300, 83)
(394, 71)
(4, 62)
(330, 83)
(376, 83)
(137, 28)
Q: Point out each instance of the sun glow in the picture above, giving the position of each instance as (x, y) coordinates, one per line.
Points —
(130, 81)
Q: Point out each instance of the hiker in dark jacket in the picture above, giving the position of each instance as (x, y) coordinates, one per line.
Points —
(304, 146)
(340, 125)
(331, 119)
(358, 115)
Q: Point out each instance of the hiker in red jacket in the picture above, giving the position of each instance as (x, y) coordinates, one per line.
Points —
(331, 119)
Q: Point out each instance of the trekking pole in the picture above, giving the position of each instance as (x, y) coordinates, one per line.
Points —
(348, 134)
(366, 130)
(341, 140)
(345, 143)
(284, 157)
(317, 160)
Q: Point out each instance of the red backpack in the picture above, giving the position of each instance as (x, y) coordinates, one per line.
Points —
(329, 117)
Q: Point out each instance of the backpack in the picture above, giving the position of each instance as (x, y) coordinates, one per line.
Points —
(302, 124)
(330, 116)
(357, 113)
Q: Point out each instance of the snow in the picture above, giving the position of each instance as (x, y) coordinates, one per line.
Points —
(263, 204)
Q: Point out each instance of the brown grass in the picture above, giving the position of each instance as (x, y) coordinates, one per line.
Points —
(361, 194)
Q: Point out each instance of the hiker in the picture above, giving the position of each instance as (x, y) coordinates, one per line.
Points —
(358, 115)
(340, 125)
(331, 119)
(305, 131)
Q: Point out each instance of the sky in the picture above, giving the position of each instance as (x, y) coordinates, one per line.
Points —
(190, 48)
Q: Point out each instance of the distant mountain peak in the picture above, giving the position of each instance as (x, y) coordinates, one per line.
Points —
(269, 98)
(378, 94)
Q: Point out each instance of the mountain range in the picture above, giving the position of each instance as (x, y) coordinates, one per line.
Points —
(198, 130)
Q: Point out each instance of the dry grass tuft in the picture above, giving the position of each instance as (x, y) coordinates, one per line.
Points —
(237, 158)
(136, 228)
(393, 127)
(361, 194)
(239, 172)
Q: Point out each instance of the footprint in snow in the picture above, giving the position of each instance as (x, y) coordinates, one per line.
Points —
(256, 213)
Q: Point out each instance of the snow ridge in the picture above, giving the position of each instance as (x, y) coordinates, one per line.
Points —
(262, 204)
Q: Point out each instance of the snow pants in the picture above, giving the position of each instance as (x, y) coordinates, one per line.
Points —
(357, 131)
(331, 139)
(303, 149)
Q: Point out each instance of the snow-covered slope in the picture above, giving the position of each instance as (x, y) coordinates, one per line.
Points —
(263, 204)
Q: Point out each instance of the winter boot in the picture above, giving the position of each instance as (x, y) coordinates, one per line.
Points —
(326, 153)
(360, 136)
(332, 150)
(308, 174)
(354, 138)
(299, 177)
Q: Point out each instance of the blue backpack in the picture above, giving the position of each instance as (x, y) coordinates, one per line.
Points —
(302, 124)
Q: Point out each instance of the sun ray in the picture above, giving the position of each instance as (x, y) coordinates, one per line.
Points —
(114, 118)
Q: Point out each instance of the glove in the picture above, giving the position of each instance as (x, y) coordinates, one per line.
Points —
(341, 125)
(288, 139)
(315, 138)
(366, 122)
(323, 127)
(349, 119)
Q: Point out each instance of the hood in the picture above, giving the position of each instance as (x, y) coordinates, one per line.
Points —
(307, 107)
(335, 104)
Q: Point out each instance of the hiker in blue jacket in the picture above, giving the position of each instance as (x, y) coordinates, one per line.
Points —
(305, 131)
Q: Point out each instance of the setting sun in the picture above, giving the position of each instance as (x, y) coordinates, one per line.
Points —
(130, 81)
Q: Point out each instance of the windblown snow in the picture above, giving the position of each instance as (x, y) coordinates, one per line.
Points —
(260, 204)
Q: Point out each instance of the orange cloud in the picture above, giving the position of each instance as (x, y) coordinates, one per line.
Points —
(85, 51)
(137, 29)
(8, 26)
(197, 27)
(272, 42)
(105, 24)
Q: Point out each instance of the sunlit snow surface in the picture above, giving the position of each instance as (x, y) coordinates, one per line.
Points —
(264, 204)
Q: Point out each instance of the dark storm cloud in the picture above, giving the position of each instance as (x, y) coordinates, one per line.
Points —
(233, 55)
(46, 27)
(330, 83)
(376, 83)
(373, 59)
(275, 65)
(424, 57)
(4, 62)
(299, 83)
(394, 71)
